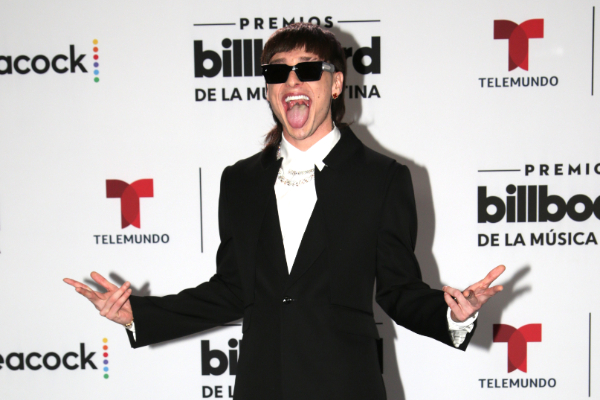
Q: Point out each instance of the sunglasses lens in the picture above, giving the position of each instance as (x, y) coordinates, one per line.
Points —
(276, 73)
(309, 71)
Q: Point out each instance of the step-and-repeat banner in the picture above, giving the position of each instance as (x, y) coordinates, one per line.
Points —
(117, 119)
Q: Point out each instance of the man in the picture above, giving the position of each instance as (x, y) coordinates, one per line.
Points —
(307, 227)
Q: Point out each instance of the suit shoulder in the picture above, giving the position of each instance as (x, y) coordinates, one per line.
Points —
(247, 163)
(382, 163)
(242, 168)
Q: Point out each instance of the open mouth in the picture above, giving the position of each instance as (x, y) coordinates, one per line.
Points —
(297, 108)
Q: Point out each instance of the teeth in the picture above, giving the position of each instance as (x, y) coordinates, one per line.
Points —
(298, 97)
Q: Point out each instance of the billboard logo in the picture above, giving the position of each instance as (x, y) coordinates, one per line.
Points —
(518, 39)
(250, 59)
(217, 362)
(517, 340)
(130, 198)
(532, 203)
(242, 58)
(224, 362)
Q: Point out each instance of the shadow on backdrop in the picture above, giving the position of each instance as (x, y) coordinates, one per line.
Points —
(118, 280)
(385, 325)
(424, 250)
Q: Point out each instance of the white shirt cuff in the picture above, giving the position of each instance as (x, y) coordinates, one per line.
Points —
(131, 329)
(459, 330)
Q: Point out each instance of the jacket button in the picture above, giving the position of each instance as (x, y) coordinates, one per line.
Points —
(288, 300)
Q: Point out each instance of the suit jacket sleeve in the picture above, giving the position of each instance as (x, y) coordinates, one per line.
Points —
(210, 304)
(400, 291)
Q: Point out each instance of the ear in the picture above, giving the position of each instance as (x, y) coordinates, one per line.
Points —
(338, 82)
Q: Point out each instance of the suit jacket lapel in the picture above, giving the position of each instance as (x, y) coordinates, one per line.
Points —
(312, 245)
(249, 194)
(271, 239)
(329, 185)
(344, 154)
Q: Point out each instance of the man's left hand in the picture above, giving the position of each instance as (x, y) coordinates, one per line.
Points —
(466, 303)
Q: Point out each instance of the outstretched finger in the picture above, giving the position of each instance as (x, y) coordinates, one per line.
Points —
(485, 283)
(489, 292)
(493, 275)
(88, 293)
(75, 283)
(103, 282)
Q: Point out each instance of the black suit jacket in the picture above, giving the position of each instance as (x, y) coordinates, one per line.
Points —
(309, 334)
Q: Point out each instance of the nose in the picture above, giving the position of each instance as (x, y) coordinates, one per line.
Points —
(292, 79)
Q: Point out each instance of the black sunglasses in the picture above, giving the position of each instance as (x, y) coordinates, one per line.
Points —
(309, 71)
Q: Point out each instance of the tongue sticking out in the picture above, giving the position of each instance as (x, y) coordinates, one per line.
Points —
(297, 115)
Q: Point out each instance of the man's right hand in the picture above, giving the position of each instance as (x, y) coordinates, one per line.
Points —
(113, 304)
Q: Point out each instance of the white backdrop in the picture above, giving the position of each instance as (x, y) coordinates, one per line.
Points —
(62, 135)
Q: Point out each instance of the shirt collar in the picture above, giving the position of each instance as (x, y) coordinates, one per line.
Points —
(313, 156)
